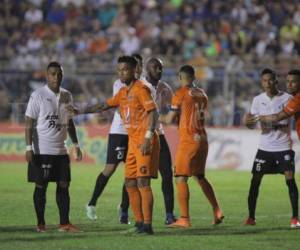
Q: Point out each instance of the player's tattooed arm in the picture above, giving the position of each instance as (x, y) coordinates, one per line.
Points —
(168, 118)
(29, 127)
(97, 108)
(271, 119)
(153, 118)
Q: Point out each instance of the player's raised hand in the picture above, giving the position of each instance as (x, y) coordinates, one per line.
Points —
(146, 147)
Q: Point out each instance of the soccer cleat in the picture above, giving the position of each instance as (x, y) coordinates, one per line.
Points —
(170, 219)
(295, 223)
(91, 212)
(41, 228)
(181, 222)
(250, 222)
(123, 216)
(218, 217)
(138, 228)
(146, 229)
(68, 228)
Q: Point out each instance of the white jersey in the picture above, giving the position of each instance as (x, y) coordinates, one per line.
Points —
(48, 109)
(275, 139)
(160, 94)
(117, 126)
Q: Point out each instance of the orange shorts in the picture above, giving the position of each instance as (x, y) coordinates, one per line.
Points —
(138, 165)
(190, 158)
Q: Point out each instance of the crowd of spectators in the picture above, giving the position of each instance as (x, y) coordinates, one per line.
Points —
(227, 41)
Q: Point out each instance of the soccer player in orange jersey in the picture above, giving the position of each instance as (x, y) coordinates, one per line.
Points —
(190, 103)
(139, 114)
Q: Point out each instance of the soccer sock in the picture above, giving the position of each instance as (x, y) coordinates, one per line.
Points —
(253, 194)
(135, 203)
(293, 192)
(183, 195)
(147, 203)
(125, 200)
(99, 187)
(63, 204)
(209, 193)
(167, 188)
(39, 199)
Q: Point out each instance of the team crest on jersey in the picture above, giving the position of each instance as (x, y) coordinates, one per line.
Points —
(143, 169)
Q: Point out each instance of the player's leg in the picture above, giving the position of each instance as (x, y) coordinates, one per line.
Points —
(252, 197)
(182, 172)
(101, 182)
(124, 206)
(287, 163)
(147, 168)
(116, 151)
(132, 188)
(135, 201)
(211, 197)
(39, 200)
(145, 190)
(62, 175)
(165, 169)
(199, 163)
(293, 194)
(38, 174)
(63, 201)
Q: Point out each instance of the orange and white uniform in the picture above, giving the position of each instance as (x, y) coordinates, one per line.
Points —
(293, 108)
(191, 103)
(134, 103)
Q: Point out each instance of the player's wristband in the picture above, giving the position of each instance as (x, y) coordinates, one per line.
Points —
(28, 147)
(149, 134)
(76, 145)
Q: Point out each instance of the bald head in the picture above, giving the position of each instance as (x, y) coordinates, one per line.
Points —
(154, 68)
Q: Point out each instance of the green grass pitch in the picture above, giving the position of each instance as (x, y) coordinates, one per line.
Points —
(17, 218)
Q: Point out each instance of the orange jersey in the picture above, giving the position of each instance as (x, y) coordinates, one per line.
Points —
(191, 102)
(134, 103)
(293, 108)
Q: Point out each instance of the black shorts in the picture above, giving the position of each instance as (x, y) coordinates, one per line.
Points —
(45, 168)
(274, 162)
(117, 148)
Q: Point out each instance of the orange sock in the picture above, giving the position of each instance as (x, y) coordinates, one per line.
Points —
(147, 203)
(209, 193)
(183, 195)
(135, 203)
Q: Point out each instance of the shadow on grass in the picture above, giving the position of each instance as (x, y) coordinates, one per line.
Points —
(28, 234)
(219, 231)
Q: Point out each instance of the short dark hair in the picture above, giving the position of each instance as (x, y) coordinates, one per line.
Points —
(188, 69)
(268, 71)
(294, 72)
(128, 59)
(137, 56)
(54, 64)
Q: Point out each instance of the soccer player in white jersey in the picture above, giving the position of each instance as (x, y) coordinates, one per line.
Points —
(116, 153)
(275, 154)
(47, 125)
(162, 94)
